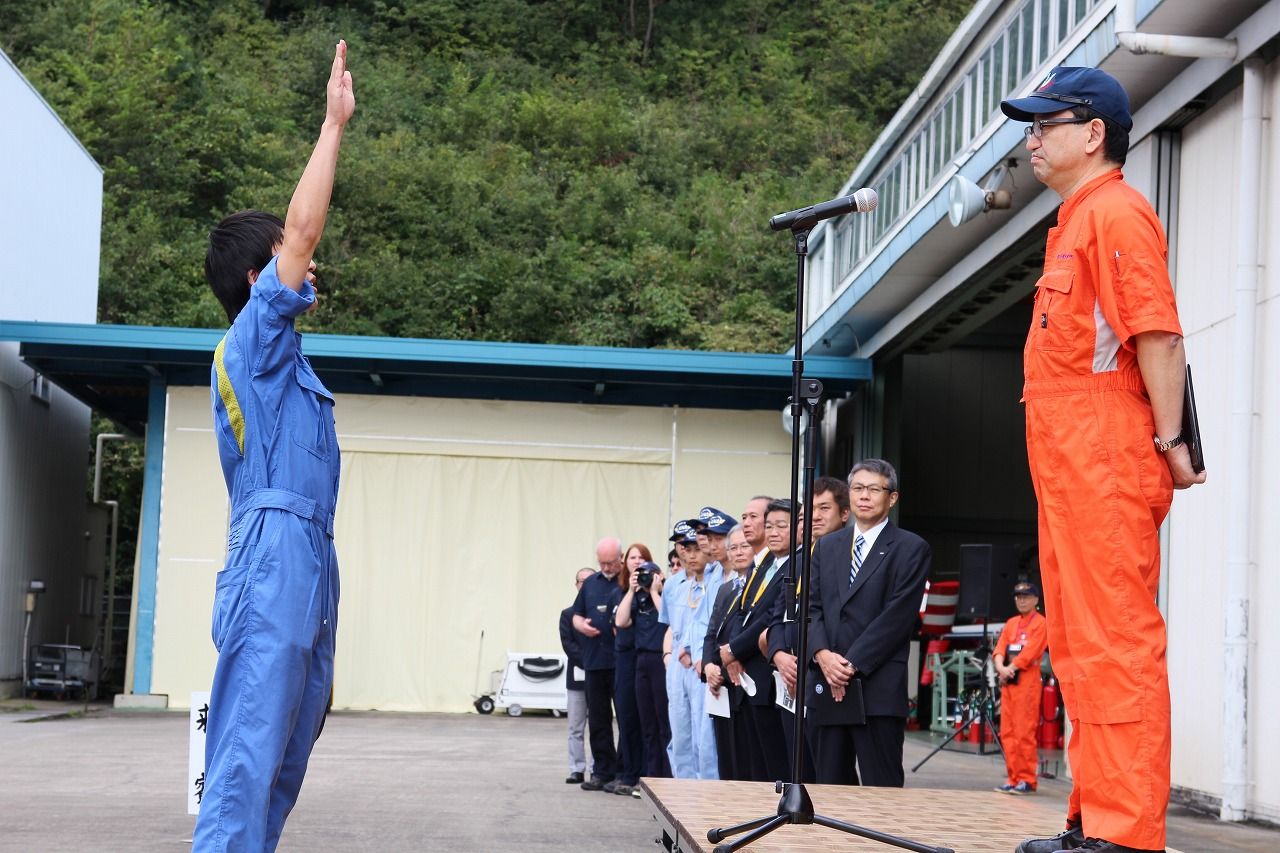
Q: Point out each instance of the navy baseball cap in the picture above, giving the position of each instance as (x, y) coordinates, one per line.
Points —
(1068, 87)
(1026, 588)
(683, 533)
(712, 520)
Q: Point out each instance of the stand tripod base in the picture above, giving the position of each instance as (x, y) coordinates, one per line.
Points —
(795, 807)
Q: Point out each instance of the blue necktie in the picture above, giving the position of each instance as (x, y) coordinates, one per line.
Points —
(857, 558)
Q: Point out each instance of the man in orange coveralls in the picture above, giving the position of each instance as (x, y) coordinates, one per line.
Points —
(1017, 661)
(1104, 370)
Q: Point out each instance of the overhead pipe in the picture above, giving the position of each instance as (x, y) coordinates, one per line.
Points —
(1240, 467)
(1166, 45)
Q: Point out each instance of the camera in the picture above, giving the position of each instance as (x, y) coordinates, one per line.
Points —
(644, 579)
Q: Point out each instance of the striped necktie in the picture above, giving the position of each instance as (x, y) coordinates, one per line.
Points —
(857, 558)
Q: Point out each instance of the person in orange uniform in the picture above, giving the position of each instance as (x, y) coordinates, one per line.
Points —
(1104, 370)
(1017, 662)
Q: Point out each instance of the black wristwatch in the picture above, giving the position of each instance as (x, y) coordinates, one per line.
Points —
(1166, 446)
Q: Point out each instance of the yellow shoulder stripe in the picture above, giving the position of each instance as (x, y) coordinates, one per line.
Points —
(228, 394)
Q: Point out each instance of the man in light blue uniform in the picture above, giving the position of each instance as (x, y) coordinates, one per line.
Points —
(712, 528)
(276, 599)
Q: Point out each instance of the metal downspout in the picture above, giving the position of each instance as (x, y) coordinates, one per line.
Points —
(1240, 476)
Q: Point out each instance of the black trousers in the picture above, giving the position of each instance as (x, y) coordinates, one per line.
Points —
(630, 744)
(769, 761)
(733, 740)
(808, 773)
(876, 748)
(604, 756)
(655, 723)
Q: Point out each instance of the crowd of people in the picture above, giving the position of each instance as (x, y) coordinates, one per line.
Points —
(700, 662)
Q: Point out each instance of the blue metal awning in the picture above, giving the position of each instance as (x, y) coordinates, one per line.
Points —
(111, 368)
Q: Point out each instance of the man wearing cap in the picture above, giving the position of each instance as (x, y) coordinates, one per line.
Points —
(712, 526)
(684, 687)
(1017, 662)
(728, 748)
(593, 619)
(1104, 368)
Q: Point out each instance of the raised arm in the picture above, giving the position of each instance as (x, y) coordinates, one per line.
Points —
(304, 223)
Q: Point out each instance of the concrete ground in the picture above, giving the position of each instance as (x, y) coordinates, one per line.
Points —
(114, 780)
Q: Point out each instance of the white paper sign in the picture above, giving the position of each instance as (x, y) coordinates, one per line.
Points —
(195, 751)
(716, 706)
(784, 699)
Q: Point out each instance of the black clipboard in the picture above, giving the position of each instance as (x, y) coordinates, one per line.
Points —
(822, 710)
(1191, 426)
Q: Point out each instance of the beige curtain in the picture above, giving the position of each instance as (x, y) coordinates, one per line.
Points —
(436, 549)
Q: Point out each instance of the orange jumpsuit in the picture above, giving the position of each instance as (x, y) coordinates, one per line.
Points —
(1020, 703)
(1103, 491)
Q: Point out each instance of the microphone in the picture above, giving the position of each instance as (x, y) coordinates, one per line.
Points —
(864, 200)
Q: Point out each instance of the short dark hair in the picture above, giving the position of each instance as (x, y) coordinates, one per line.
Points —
(778, 505)
(838, 488)
(1115, 143)
(243, 241)
(877, 466)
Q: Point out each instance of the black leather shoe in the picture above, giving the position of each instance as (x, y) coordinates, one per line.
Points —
(595, 783)
(610, 787)
(1099, 845)
(574, 779)
(1072, 839)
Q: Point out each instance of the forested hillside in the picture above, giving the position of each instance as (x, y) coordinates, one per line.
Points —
(569, 171)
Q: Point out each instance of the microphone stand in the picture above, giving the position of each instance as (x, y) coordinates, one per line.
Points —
(795, 807)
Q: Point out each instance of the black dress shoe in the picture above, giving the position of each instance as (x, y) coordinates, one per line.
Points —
(574, 779)
(1072, 839)
(595, 783)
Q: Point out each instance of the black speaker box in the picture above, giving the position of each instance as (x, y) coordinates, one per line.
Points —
(987, 576)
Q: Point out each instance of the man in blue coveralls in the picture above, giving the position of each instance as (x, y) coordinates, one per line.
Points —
(275, 608)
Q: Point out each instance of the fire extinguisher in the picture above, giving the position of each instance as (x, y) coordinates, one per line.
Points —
(1050, 714)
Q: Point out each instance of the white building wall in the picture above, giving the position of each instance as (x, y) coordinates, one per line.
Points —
(1204, 270)
(50, 219)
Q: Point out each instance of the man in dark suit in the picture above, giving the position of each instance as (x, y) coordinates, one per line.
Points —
(830, 514)
(740, 559)
(743, 659)
(867, 581)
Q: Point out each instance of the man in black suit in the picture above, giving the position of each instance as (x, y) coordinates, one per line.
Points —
(744, 660)
(867, 581)
(740, 559)
(830, 514)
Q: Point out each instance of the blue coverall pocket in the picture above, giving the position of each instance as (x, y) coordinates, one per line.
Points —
(226, 599)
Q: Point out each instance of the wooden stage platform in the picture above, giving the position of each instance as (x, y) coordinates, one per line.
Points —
(965, 821)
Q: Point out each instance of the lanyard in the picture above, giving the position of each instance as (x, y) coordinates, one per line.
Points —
(743, 601)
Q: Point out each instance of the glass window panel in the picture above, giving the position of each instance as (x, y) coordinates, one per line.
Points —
(957, 123)
(1015, 39)
(1028, 43)
(1064, 22)
(997, 72)
(1082, 9)
(1046, 17)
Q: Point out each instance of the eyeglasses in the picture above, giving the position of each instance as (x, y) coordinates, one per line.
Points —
(874, 491)
(1036, 128)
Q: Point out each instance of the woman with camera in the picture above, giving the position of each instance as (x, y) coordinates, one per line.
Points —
(638, 612)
